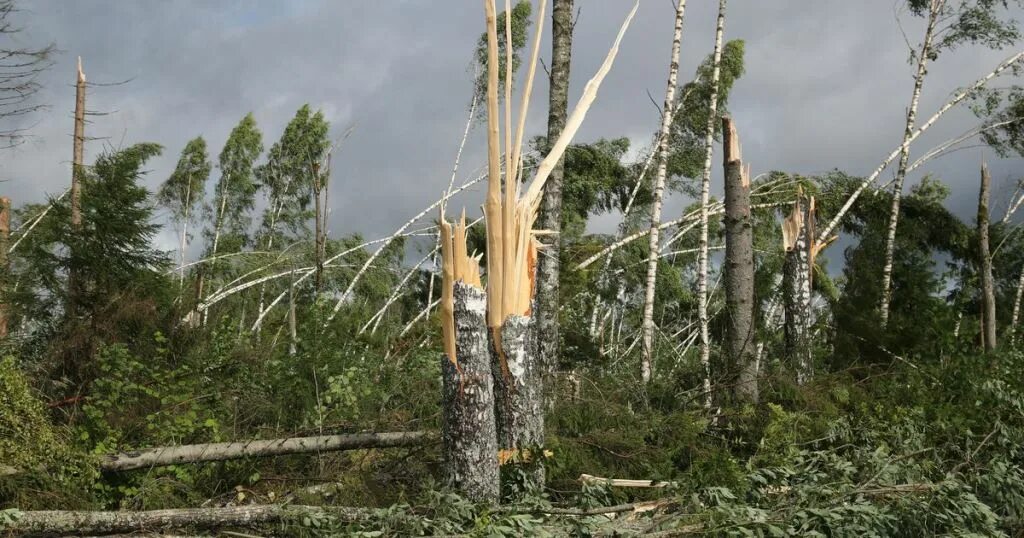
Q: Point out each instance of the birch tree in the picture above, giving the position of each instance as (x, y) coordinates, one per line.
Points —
(988, 294)
(659, 189)
(949, 24)
(705, 198)
(183, 191)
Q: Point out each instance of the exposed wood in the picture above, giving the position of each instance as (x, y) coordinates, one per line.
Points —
(798, 238)
(667, 114)
(739, 269)
(624, 482)
(705, 198)
(173, 455)
(988, 295)
(81, 523)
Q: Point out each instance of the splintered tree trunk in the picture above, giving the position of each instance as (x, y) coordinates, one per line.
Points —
(705, 199)
(739, 268)
(798, 233)
(518, 407)
(985, 264)
(5, 230)
(647, 357)
(901, 172)
(469, 439)
(550, 217)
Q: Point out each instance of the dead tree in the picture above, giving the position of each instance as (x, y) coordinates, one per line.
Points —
(739, 268)
(5, 230)
(659, 188)
(260, 448)
(988, 297)
(77, 173)
(798, 238)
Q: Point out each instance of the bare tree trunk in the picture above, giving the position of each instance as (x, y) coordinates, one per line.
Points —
(469, 438)
(77, 171)
(798, 236)
(262, 448)
(901, 172)
(70, 523)
(705, 198)
(550, 217)
(318, 242)
(184, 231)
(5, 230)
(519, 412)
(647, 358)
(293, 340)
(1016, 305)
(985, 263)
(739, 267)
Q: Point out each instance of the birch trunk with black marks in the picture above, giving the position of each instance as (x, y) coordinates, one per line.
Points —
(988, 295)
(739, 268)
(798, 235)
(5, 231)
(705, 199)
(647, 357)
(468, 435)
(901, 171)
(1016, 305)
(260, 448)
(519, 411)
(550, 217)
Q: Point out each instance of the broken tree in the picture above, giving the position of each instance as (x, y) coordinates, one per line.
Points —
(988, 297)
(739, 268)
(5, 230)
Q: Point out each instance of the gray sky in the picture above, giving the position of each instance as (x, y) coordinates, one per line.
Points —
(826, 86)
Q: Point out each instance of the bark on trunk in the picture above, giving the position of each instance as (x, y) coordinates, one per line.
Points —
(469, 439)
(647, 357)
(705, 198)
(1016, 305)
(184, 231)
(519, 411)
(293, 334)
(77, 171)
(798, 234)
(901, 172)
(985, 263)
(739, 268)
(550, 217)
(73, 523)
(5, 230)
(174, 455)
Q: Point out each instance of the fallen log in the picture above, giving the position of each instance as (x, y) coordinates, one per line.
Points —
(172, 455)
(80, 523)
(623, 482)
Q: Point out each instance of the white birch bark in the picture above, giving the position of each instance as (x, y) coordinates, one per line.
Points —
(705, 196)
(659, 188)
(901, 171)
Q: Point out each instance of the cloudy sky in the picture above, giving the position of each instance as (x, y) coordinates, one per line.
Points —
(826, 86)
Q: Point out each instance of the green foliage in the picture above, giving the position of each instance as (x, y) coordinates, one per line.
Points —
(235, 193)
(35, 455)
(183, 191)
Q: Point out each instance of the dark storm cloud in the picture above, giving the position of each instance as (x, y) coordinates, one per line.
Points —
(826, 86)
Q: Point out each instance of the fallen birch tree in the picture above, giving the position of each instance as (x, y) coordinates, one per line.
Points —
(198, 453)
